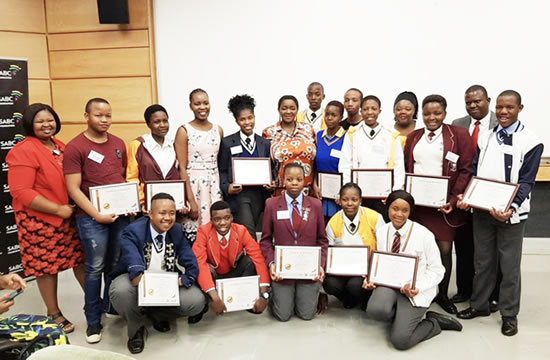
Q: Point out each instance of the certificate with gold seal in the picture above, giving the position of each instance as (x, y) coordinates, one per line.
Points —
(118, 199)
(297, 262)
(159, 289)
(239, 293)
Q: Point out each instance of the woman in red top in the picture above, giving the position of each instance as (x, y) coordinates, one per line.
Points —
(47, 235)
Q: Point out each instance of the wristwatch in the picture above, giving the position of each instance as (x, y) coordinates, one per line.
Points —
(266, 295)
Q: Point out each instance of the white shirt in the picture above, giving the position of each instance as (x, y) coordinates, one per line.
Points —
(164, 154)
(157, 257)
(483, 125)
(347, 237)
(252, 141)
(421, 243)
(316, 123)
(428, 155)
(363, 151)
(221, 236)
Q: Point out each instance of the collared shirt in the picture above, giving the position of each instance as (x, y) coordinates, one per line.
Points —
(428, 155)
(221, 236)
(252, 141)
(318, 115)
(164, 154)
(483, 125)
(341, 132)
(404, 231)
(289, 199)
(510, 129)
(367, 129)
(157, 257)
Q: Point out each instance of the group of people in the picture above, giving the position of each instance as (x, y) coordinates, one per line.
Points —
(214, 237)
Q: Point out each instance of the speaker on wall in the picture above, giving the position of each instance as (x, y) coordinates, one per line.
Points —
(113, 11)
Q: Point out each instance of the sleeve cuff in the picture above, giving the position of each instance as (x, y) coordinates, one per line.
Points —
(207, 291)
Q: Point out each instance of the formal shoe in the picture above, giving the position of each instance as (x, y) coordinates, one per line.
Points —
(445, 322)
(137, 342)
(196, 318)
(459, 298)
(446, 304)
(112, 313)
(509, 326)
(493, 306)
(161, 325)
(93, 334)
(471, 313)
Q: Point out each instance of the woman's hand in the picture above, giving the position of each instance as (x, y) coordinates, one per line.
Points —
(234, 189)
(407, 291)
(65, 211)
(321, 277)
(460, 204)
(105, 219)
(446, 209)
(367, 285)
(271, 187)
(501, 216)
(12, 281)
(194, 210)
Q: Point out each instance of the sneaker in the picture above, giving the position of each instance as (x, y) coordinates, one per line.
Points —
(93, 334)
(112, 313)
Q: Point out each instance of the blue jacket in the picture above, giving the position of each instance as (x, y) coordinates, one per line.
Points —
(135, 246)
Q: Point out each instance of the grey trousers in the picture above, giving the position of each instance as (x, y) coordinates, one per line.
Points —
(297, 298)
(125, 301)
(497, 244)
(408, 327)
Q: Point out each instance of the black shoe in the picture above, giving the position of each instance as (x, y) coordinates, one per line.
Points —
(93, 334)
(493, 306)
(460, 298)
(445, 322)
(137, 342)
(161, 325)
(509, 326)
(196, 318)
(446, 304)
(471, 313)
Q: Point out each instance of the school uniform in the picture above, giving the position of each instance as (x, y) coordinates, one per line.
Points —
(513, 155)
(406, 314)
(293, 296)
(247, 207)
(315, 118)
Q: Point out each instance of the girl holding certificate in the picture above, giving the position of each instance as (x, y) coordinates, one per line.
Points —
(405, 111)
(441, 150)
(406, 307)
(291, 142)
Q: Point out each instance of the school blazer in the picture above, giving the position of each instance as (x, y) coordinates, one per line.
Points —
(225, 166)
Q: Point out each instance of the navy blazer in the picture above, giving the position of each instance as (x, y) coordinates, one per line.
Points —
(136, 237)
(225, 165)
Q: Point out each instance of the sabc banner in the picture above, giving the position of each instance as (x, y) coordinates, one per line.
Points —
(14, 98)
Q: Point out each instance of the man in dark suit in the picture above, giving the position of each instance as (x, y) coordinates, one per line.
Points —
(478, 121)
(155, 243)
(247, 203)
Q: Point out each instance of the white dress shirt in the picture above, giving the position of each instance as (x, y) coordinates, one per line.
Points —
(252, 142)
(164, 154)
(349, 238)
(428, 155)
(157, 256)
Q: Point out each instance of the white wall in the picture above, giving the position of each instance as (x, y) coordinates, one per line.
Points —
(270, 48)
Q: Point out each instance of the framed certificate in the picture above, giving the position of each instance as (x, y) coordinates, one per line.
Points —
(330, 184)
(374, 183)
(393, 270)
(159, 289)
(297, 262)
(430, 191)
(118, 199)
(239, 293)
(176, 188)
(348, 260)
(251, 171)
(486, 194)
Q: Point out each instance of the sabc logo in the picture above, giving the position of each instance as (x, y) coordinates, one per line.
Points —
(11, 122)
(12, 98)
(10, 73)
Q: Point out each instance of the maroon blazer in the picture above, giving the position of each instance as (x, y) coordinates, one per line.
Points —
(458, 141)
(280, 232)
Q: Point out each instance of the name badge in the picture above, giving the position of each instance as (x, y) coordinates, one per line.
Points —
(451, 156)
(283, 215)
(508, 149)
(236, 150)
(95, 156)
(335, 153)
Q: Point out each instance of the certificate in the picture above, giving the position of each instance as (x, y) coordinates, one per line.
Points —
(330, 184)
(486, 194)
(297, 262)
(393, 270)
(176, 188)
(348, 260)
(118, 199)
(430, 191)
(239, 293)
(374, 183)
(159, 289)
(251, 171)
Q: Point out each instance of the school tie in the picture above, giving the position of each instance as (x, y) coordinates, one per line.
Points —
(352, 227)
(296, 218)
(313, 116)
(396, 246)
(431, 136)
(223, 242)
(371, 133)
(475, 134)
(248, 145)
(501, 134)
(159, 244)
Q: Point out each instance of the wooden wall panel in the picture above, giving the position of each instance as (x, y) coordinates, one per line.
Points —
(128, 97)
(81, 15)
(33, 47)
(100, 63)
(39, 91)
(126, 132)
(99, 40)
(544, 173)
(23, 15)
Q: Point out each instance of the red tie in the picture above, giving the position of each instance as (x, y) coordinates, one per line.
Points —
(475, 134)
(431, 135)
(396, 246)
(296, 218)
(223, 242)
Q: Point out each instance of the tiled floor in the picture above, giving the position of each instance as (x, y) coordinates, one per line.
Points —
(336, 335)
